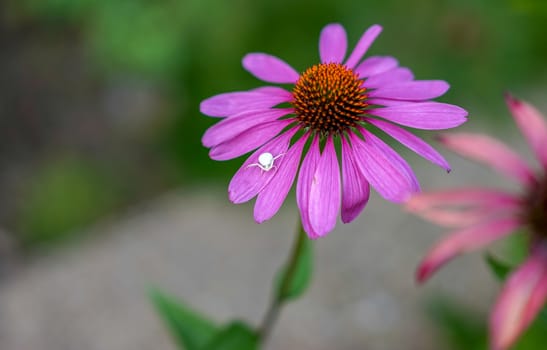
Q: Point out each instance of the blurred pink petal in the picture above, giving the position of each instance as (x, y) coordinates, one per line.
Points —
(491, 152)
(463, 207)
(477, 197)
(522, 298)
(462, 241)
(533, 126)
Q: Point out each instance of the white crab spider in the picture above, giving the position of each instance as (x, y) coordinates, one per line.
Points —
(266, 161)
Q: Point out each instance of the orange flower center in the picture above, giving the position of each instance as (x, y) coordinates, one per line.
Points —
(329, 98)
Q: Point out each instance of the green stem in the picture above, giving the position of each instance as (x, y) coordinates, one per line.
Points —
(285, 284)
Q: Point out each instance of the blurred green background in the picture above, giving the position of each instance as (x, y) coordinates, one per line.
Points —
(99, 99)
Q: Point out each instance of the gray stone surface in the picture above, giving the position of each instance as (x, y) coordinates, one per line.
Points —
(91, 295)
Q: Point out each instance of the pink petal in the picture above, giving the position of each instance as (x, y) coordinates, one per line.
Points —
(249, 180)
(460, 197)
(423, 115)
(269, 68)
(532, 125)
(304, 183)
(411, 141)
(363, 45)
(229, 128)
(388, 103)
(355, 188)
(491, 152)
(324, 197)
(463, 207)
(394, 158)
(248, 140)
(387, 177)
(463, 241)
(522, 298)
(236, 102)
(271, 197)
(375, 65)
(391, 76)
(333, 44)
(412, 90)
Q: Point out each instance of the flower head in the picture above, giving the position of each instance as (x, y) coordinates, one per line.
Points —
(482, 216)
(331, 104)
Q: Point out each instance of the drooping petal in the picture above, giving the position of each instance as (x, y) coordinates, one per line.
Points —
(387, 178)
(363, 45)
(468, 216)
(304, 183)
(423, 115)
(272, 196)
(249, 180)
(333, 44)
(355, 188)
(532, 125)
(411, 141)
(487, 150)
(375, 65)
(475, 197)
(269, 68)
(396, 75)
(463, 207)
(412, 90)
(460, 197)
(523, 296)
(324, 197)
(248, 140)
(229, 128)
(236, 102)
(463, 241)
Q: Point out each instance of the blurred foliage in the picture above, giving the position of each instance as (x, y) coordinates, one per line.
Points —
(294, 278)
(190, 329)
(466, 329)
(192, 49)
(195, 46)
(193, 331)
(67, 194)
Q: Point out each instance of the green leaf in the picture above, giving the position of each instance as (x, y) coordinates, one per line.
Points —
(235, 336)
(190, 330)
(499, 268)
(460, 327)
(295, 277)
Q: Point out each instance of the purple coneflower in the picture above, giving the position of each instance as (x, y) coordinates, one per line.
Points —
(331, 103)
(484, 215)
